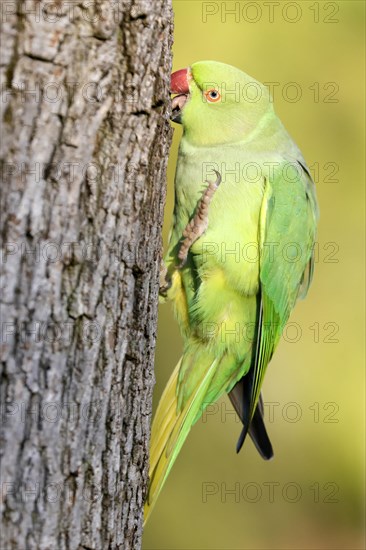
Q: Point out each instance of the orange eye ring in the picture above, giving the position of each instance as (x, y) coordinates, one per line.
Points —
(213, 95)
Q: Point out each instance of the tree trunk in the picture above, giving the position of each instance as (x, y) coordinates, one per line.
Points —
(83, 162)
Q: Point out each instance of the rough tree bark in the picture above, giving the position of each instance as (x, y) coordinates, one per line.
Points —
(85, 140)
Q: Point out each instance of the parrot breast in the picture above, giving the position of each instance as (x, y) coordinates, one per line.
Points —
(226, 256)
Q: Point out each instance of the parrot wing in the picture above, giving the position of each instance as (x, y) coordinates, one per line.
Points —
(287, 235)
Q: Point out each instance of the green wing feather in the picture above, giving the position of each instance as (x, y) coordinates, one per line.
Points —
(287, 234)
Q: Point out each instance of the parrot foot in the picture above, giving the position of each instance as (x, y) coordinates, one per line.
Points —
(198, 225)
(164, 282)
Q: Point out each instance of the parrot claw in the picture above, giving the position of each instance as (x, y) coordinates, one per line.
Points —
(164, 282)
(199, 223)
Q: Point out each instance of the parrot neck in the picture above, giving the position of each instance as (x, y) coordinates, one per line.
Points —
(268, 134)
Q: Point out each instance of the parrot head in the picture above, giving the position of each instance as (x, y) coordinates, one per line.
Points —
(217, 103)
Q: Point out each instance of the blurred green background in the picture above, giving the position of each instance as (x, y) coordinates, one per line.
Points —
(311, 495)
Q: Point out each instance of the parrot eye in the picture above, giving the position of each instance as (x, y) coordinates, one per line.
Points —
(213, 96)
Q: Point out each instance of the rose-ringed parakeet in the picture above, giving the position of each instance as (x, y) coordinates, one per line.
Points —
(240, 253)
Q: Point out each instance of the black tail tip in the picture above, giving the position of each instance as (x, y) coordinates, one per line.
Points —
(241, 440)
(262, 444)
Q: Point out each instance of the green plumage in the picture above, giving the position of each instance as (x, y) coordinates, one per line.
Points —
(243, 276)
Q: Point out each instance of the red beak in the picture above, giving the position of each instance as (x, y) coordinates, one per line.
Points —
(179, 82)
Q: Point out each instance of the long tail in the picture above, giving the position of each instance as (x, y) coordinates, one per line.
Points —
(240, 398)
(170, 429)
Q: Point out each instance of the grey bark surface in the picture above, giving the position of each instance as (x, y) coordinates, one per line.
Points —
(85, 140)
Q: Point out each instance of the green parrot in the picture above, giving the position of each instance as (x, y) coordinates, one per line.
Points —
(240, 253)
